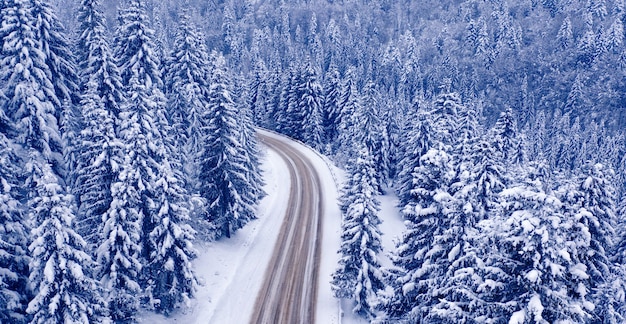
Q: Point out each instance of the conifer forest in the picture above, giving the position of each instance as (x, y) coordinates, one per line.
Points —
(128, 133)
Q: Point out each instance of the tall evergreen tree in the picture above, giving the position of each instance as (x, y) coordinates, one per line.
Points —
(475, 188)
(417, 139)
(28, 99)
(222, 165)
(548, 280)
(359, 277)
(118, 255)
(251, 152)
(171, 281)
(304, 119)
(350, 104)
(61, 65)
(259, 97)
(98, 144)
(187, 86)
(58, 56)
(505, 136)
(95, 58)
(593, 207)
(424, 250)
(368, 130)
(101, 157)
(331, 105)
(14, 258)
(65, 292)
(145, 131)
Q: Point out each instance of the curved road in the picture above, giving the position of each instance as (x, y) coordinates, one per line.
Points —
(289, 291)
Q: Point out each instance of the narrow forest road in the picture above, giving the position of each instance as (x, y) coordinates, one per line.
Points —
(288, 293)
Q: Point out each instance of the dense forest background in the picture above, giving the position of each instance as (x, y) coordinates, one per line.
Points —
(499, 124)
(557, 64)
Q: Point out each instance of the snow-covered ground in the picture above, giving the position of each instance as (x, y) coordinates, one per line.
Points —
(231, 270)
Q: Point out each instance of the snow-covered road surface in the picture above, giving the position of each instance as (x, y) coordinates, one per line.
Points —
(232, 271)
(289, 290)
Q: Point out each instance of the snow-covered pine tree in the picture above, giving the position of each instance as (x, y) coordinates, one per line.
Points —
(417, 139)
(60, 267)
(368, 130)
(305, 108)
(98, 144)
(28, 96)
(547, 283)
(71, 124)
(59, 60)
(58, 56)
(598, 198)
(95, 58)
(479, 179)
(592, 205)
(311, 98)
(445, 118)
(171, 281)
(331, 106)
(222, 164)
(286, 96)
(119, 253)
(359, 277)
(505, 136)
(101, 157)
(14, 257)
(350, 104)
(259, 97)
(187, 78)
(251, 153)
(618, 283)
(422, 253)
(145, 130)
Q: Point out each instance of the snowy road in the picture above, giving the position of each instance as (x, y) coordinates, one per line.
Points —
(289, 291)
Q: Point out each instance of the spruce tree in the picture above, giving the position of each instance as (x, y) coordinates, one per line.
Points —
(423, 252)
(58, 56)
(223, 181)
(310, 98)
(368, 130)
(60, 267)
(350, 104)
(251, 152)
(95, 58)
(98, 142)
(101, 152)
(187, 87)
(28, 99)
(61, 65)
(286, 97)
(544, 276)
(359, 277)
(171, 280)
(145, 130)
(259, 97)
(417, 139)
(331, 105)
(119, 253)
(14, 236)
(302, 119)
(505, 136)
(592, 205)
(475, 188)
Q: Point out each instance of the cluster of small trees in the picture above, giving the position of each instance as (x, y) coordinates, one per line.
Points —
(491, 235)
(102, 148)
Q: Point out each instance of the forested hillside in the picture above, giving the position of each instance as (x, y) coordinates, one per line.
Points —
(111, 147)
(499, 124)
